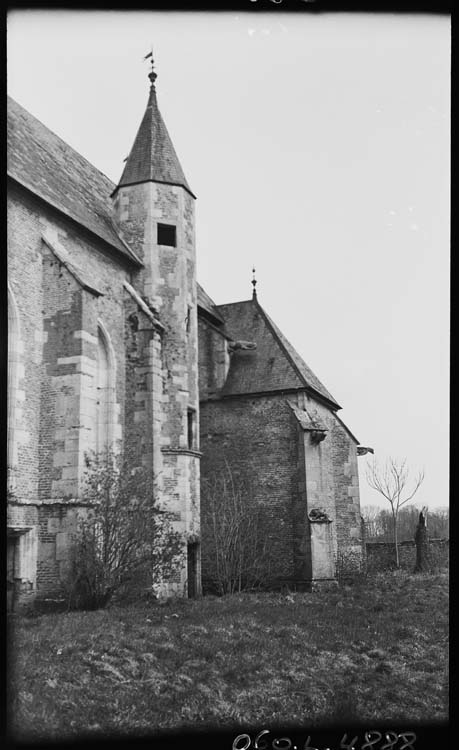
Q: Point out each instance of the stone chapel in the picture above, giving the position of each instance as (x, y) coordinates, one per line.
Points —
(111, 341)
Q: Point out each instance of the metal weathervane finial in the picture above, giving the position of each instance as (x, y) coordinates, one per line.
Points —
(254, 284)
(152, 75)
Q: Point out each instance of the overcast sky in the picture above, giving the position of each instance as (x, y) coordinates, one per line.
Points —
(318, 147)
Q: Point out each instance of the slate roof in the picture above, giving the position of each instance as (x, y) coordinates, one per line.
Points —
(305, 371)
(48, 167)
(153, 157)
(274, 365)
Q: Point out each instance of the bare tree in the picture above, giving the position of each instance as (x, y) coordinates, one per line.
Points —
(234, 547)
(392, 481)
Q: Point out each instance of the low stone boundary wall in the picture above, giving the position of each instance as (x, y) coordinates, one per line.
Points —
(381, 555)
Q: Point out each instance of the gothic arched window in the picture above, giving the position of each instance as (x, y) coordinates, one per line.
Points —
(105, 392)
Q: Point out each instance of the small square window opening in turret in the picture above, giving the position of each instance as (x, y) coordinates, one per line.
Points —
(167, 235)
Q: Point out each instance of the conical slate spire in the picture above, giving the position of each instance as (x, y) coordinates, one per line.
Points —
(152, 157)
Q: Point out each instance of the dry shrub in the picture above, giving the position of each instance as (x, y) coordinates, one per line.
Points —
(124, 540)
(235, 550)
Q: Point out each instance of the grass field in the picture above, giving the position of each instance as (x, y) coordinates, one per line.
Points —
(374, 650)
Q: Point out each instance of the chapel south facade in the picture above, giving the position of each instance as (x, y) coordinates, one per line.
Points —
(113, 345)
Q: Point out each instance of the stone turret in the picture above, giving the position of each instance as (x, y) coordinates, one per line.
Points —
(154, 213)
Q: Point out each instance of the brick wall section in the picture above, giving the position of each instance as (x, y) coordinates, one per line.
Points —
(302, 562)
(380, 556)
(257, 437)
(261, 440)
(57, 525)
(24, 275)
(60, 393)
(346, 486)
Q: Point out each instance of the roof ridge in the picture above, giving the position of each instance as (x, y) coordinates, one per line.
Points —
(274, 331)
(41, 162)
(241, 302)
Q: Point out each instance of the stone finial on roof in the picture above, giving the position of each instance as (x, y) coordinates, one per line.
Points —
(254, 284)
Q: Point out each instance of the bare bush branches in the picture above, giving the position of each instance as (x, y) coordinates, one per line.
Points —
(235, 550)
(123, 535)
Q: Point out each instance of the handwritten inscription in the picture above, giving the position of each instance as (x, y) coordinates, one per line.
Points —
(372, 740)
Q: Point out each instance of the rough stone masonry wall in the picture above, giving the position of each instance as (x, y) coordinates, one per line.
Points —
(72, 335)
(256, 437)
(168, 284)
(143, 350)
(175, 297)
(24, 277)
(380, 556)
(58, 330)
(347, 495)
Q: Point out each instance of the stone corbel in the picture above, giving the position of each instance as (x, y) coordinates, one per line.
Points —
(309, 424)
(317, 435)
(238, 345)
(319, 515)
(362, 450)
